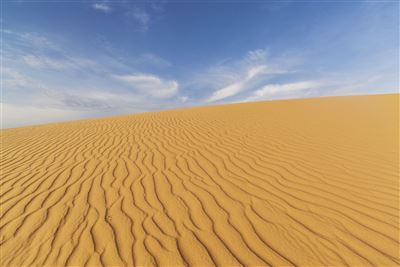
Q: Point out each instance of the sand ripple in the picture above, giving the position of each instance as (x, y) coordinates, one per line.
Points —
(300, 182)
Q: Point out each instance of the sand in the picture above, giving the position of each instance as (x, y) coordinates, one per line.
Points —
(297, 182)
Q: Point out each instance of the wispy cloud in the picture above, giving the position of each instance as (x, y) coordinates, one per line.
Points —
(45, 62)
(138, 15)
(141, 17)
(38, 41)
(227, 91)
(183, 99)
(45, 79)
(151, 85)
(256, 55)
(78, 100)
(248, 72)
(287, 89)
(28, 40)
(153, 60)
(238, 86)
(13, 79)
(103, 7)
(39, 52)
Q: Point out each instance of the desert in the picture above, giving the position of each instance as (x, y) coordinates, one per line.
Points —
(305, 182)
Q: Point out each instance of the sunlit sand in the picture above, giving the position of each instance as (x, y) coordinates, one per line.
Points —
(295, 182)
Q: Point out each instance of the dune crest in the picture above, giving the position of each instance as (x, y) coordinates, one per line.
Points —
(297, 182)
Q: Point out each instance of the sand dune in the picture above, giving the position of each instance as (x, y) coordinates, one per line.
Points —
(298, 182)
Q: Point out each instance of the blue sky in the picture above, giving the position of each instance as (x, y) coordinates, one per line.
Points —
(65, 60)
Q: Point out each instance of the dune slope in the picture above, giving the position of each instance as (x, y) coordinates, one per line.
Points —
(298, 182)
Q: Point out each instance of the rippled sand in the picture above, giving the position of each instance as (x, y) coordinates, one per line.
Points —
(297, 182)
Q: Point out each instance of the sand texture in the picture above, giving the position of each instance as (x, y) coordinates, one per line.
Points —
(298, 182)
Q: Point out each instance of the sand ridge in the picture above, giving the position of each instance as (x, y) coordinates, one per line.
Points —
(297, 182)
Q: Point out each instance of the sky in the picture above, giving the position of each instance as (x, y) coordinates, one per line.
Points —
(67, 60)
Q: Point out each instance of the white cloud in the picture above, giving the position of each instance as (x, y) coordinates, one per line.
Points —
(151, 85)
(141, 17)
(42, 61)
(183, 99)
(77, 100)
(240, 85)
(288, 89)
(241, 75)
(256, 55)
(254, 71)
(37, 41)
(153, 60)
(227, 91)
(28, 41)
(45, 85)
(103, 7)
(13, 79)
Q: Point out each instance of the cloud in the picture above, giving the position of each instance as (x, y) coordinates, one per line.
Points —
(38, 52)
(153, 60)
(103, 7)
(45, 62)
(57, 81)
(56, 63)
(151, 85)
(13, 79)
(288, 89)
(254, 71)
(27, 40)
(227, 91)
(141, 17)
(241, 75)
(38, 41)
(256, 55)
(232, 89)
(78, 100)
(183, 99)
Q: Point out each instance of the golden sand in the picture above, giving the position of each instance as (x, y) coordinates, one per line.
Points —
(298, 182)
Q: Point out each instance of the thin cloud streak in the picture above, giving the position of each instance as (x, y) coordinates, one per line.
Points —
(150, 84)
(254, 68)
(288, 89)
(103, 7)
